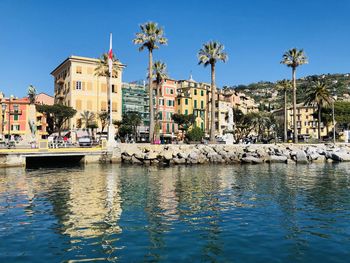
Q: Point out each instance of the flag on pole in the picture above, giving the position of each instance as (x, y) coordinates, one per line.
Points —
(110, 56)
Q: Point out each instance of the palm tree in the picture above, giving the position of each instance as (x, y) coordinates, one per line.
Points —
(284, 86)
(31, 94)
(102, 66)
(210, 53)
(159, 73)
(87, 118)
(150, 37)
(294, 58)
(318, 95)
(103, 117)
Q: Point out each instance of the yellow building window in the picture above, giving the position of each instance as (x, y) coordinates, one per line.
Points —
(114, 106)
(78, 70)
(78, 104)
(103, 88)
(89, 105)
(89, 86)
(103, 106)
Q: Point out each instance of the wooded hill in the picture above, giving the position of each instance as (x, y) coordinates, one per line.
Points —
(268, 97)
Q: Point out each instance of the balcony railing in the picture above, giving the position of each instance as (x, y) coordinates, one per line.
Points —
(15, 112)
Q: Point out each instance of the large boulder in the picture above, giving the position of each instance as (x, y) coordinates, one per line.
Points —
(177, 160)
(251, 159)
(301, 157)
(340, 157)
(277, 159)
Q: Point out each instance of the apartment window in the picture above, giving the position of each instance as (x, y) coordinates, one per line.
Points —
(178, 101)
(15, 117)
(114, 89)
(78, 85)
(186, 112)
(78, 104)
(202, 92)
(78, 70)
(104, 88)
(305, 123)
(173, 127)
(15, 127)
(186, 101)
(202, 126)
(160, 116)
(202, 104)
(114, 107)
(103, 106)
(167, 127)
(89, 105)
(195, 92)
(89, 86)
(171, 91)
(195, 103)
(15, 108)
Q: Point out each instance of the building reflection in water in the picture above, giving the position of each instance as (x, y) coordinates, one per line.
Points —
(112, 212)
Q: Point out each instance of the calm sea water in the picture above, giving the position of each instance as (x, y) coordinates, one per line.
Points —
(262, 213)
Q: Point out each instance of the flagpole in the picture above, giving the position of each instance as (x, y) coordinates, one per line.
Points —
(111, 131)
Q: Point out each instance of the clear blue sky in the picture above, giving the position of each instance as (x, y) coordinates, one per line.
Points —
(35, 36)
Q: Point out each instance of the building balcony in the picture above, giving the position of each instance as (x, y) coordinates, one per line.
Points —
(15, 112)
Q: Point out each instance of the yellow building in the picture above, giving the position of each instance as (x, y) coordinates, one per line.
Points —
(77, 86)
(192, 99)
(306, 123)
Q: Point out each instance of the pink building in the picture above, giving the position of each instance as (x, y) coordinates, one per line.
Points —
(166, 109)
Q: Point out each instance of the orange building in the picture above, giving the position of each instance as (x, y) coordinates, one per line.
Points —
(15, 119)
(167, 97)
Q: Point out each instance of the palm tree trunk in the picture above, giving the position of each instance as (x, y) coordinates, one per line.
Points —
(212, 121)
(285, 117)
(150, 90)
(295, 105)
(319, 123)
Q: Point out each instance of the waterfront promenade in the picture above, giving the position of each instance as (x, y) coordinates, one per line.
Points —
(181, 154)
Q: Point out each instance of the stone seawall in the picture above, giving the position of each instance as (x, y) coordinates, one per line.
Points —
(145, 154)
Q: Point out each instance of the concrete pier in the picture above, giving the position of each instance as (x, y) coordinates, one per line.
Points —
(19, 157)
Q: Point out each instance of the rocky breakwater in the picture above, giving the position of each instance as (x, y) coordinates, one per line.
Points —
(144, 154)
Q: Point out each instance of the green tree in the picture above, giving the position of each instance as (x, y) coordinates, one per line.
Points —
(87, 119)
(183, 121)
(318, 95)
(195, 134)
(58, 113)
(32, 94)
(159, 73)
(294, 58)
(243, 124)
(150, 37)
(284, 86)
(130, 121)
(209, 54)
(342, 113)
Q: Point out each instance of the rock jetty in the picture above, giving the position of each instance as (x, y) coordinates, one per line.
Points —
(145, 154)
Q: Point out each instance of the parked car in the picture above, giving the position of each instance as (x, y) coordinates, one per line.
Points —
(85, 141)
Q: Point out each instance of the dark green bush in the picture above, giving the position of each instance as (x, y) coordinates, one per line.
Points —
(195, 134)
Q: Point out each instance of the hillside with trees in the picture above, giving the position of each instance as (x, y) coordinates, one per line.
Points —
(269, 96)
